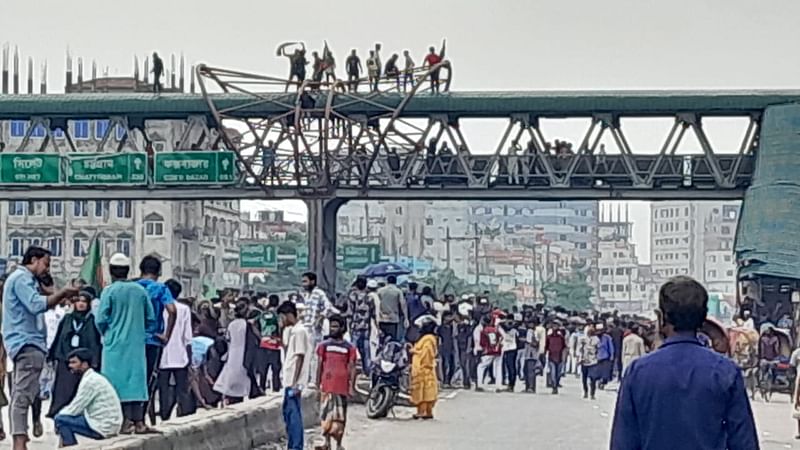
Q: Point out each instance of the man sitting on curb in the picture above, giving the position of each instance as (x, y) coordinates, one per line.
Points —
(95, 412)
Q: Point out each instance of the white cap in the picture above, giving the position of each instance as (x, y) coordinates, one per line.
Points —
(465, 297)
(372, 283)
(120, 260)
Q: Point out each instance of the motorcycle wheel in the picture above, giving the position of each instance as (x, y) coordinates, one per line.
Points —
(380, 401)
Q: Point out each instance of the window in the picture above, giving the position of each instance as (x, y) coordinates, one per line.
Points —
(209, 262)
(428, 241)
(727, 258)
(604, 288)
(80, 208)
(620, 288)
(428, 221)
(54, 209)
(712, 274)
(78, 248)
(16, 208)
(100, 128)
(620, 271)
(583, 228)
(562, 237)
(101, 208)
(18, 128)
(605, 271)
(55, 246)
(80, 129)
(58, 133)
(729, 273)
(398, 210)
(725, 229)
(712, 258)
(120, 132)
(582, 245)
(154, 228)
(15, 247)
(124, 209)
(38, 131)
(124, 246)
(35, 209)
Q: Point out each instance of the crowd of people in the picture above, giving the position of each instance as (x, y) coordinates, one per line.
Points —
(102, 361)
(324, 66)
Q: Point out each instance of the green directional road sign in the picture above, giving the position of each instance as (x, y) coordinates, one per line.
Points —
(257, 256)
(119, 168)
(29, 168)
(301, 261)
(195, 168)
(358, 256)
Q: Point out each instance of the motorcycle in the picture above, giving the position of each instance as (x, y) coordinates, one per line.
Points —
(390, 380)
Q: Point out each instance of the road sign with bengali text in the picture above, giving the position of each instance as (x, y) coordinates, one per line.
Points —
(257, 256)
(119, 168)
(358, 256)
(195, 167)
(30, 168)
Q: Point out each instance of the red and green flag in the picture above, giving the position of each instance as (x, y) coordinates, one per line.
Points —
(92, 267)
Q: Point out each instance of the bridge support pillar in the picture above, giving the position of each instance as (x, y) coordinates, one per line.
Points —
(322, 240)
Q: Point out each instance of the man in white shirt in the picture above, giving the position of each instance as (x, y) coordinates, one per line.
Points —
(175, 359)
(95, 412)
(297, 353)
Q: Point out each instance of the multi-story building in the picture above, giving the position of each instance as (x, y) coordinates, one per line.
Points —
(695, 239)
(198, 241)
(412, 231)
(624, 284)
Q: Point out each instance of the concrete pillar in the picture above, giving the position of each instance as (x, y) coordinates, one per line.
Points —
(322, 240)
(768, 235)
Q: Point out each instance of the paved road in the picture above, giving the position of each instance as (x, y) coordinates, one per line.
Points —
(480, 421)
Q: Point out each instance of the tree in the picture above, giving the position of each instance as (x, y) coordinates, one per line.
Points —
(446, 282)
(572, 293)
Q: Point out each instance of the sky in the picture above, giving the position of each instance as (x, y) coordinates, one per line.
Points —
(508, 45)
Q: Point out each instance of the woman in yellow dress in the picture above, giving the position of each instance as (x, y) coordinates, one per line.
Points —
(424, 385)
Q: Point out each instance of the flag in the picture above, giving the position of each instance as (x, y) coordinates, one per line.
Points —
(92, 267)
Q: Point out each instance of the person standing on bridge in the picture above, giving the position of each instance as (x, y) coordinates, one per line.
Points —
(683, 395)
(124, 316)
(354, 69)
(373, 71)
(408, 71)
(432, 60)
(158, 71)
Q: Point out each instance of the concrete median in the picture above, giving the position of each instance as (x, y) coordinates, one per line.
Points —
(238, 427)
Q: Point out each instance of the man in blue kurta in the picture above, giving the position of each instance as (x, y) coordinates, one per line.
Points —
(124, 315)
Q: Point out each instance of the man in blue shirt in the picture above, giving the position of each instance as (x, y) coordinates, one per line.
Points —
(162, 300)
(25, 334)
(683, 395)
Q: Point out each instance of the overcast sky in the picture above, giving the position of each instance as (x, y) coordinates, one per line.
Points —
(509, 44)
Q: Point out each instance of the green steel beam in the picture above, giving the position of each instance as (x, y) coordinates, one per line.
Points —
(455, 104)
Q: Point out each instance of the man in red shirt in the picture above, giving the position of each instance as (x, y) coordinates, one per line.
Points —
(431, 60)
(489, 355)
(555, 346)
(336, 377)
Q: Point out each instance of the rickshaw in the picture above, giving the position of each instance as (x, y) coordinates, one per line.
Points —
(779, 375)
(744, 352)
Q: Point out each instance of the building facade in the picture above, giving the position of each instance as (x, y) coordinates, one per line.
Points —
(695, 239)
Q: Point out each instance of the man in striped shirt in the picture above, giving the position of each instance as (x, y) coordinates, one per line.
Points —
(95, 412)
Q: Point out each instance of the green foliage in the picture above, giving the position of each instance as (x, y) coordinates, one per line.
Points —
(573, 293)
(446, 282)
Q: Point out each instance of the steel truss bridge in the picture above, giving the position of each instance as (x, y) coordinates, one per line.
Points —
(325, 144)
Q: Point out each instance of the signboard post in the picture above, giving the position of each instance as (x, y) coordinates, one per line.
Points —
(257, 256)
(120, 168)
(195, 168)
(30, 168)
(358, 256)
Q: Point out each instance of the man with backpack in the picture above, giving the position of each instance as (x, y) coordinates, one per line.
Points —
(270, 346)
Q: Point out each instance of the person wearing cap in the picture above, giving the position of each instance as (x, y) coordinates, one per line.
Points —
(124, 316)
(25, 334)
(76, 330)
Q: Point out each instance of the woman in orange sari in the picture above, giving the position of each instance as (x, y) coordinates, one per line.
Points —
(424, 385)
